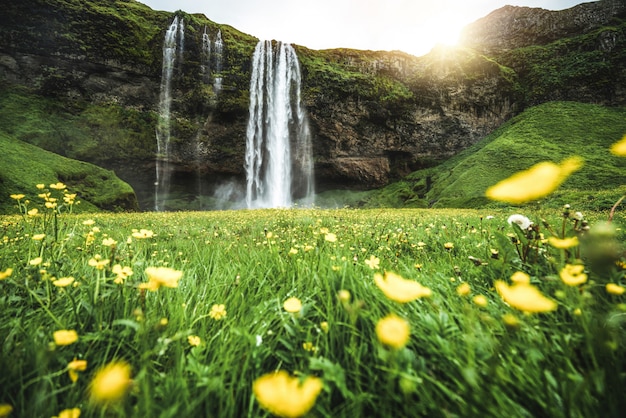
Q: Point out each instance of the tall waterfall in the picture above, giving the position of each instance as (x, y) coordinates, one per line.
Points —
(219, 49)
(206, 56)
(278, 160)
(173, 46)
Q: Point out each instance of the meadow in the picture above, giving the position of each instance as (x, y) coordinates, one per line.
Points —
(337, 313)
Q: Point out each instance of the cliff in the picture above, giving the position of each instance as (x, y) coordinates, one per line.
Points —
(374, 116)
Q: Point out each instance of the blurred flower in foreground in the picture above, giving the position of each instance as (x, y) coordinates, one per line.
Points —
(65, 337)
(5, 410)
(292, 305)
(615, 289)
(161, 277)
(110, 383)
(538, 181)
(525, 297)
(619, 148)
(572, 274)
(399, 289)
(393, 331)
(287, 396)
(69, 413)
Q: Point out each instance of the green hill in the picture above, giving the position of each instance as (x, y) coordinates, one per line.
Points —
(548, 132)
(25, 165)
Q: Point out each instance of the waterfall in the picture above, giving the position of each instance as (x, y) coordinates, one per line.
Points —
(219, 48)
(170, 49)
(277, 130)
(206, 56)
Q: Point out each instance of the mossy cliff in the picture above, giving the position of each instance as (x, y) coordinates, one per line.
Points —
(81, 78)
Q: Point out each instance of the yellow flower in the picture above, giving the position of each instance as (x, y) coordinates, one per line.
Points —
(142, 234)
(58, 186)
(308, 346)
(33, 212)
(399, 289)
(35, 261)
(480, 300)
(110, 383)
(218, 311)
(572, 274)
(109, 242)
(373, 262)
(161, 277)
(520, 277)
(563, 243)
(448, 245)
(65, 337)
(463, 289)
(6, 273)
(98, 262)
(330, 237)
(18, 196)
(122, 273)
(615, 289)
(194, 340)
(324, 326)
(75, 366)
(393, 331)
(51, 205)
(293, 251)
(538, 181)
(525, 297)
(63, 281)
(344, 296)
(510, 320)
(5, 410)
(89, 222)
(69, 413)
(40, 186)
(287, 396)
(292, 305)
(619, 148)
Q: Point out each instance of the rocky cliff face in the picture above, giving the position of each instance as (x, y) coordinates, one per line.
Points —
(374, 116)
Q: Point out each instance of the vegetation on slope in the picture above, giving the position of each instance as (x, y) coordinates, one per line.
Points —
(25, 165)
(549, 132)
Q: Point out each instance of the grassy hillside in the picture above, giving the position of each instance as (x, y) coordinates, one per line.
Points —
(548, 132)
(25, 165)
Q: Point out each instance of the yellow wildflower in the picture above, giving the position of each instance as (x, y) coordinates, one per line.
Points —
(122, 273)
(6, 273)
(40, 186)
(218, 311)
(308, 346)
(75, 366)
(538, 181)
(510, 320)
(18, 196)
(89, 222)
(161, 277)
(65, 337)
(109, 242)
(287, 396)
(373, 262)
(142, 234)
(619, 148)
(69, 413)
(520, 277)
(330, 237)
(33, 212)
(480, 300)
(35, 261)
(98, 262)
(51, 205)
(5, 410)
(563, 243)
(194, 340)
(572, 274)
(324, 326)
(393, 331)
(448, 246)
(292, 305)
(63, 281)
(110, 383)
(463, 289)
(58, 186)
(399, 289)
(615, 289)
(525, 297)
(344, 296)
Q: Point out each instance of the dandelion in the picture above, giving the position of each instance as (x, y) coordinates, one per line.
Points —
(292, 305)
(373, 262)
(142, 234)
(615, 289)
(564, 243)
(287, 396)
(161, 277)
(619, 148)
(525, 297)
(393, 331)
(463, 289)
(75, 366)
(572, 274)
(330, 237)
(520, 220)
(110, 383)
(6, 273)
(480, 300)
(399, 289)
(538, 181)
(194, 340)
(36, 261)
(65, 337)
(63, 281)
(218, 311)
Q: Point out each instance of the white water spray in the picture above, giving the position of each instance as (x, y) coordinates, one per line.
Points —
(219, 49)
(277, 130)
(206, 56)
(173, 45)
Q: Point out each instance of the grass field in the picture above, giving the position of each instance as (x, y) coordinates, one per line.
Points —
(242, 294)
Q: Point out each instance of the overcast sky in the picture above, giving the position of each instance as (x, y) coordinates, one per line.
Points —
(413, 26)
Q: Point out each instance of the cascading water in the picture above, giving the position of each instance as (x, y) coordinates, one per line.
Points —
(277, 130)
(173, 45)
(219, 49)
(206, 56)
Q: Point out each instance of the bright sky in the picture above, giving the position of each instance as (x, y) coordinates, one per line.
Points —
(413, 26)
